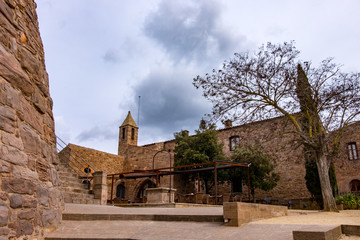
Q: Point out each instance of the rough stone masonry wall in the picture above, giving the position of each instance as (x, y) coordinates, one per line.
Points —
(30, 201)
(287, 155)
(131, 158)
(347, 170)
(141, 158)
(100, 161)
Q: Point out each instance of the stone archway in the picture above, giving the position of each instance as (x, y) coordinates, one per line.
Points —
(355, 185)
(140, 193)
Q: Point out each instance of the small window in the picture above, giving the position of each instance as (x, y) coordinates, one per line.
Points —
(234, 142)
(132, 133)
(123, 133)
(352, 151)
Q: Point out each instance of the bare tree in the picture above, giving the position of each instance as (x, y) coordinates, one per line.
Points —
(271, 82)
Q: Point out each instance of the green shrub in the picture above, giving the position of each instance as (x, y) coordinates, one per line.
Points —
(350, 201)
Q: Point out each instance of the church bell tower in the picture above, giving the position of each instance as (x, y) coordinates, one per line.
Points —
(128, 133)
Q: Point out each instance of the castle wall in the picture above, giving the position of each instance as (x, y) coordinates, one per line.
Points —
(30, 199)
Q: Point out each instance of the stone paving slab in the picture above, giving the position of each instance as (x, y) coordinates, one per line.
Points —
(151, 230)
(280, 228)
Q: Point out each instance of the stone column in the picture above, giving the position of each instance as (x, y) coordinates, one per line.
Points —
(100, 187)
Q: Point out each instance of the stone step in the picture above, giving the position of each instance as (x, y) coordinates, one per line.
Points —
(143, 217)
(75, 190)
(81, 200)
(75, 185)
(111, 213)
(65, 168)
(70, 179)
(67, 174)
(78, 195)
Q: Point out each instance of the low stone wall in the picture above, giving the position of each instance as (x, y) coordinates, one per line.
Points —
(238, 213)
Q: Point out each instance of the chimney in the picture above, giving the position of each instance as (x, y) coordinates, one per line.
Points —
(228, 123)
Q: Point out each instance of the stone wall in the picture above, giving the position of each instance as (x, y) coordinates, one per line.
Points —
(347, 170)
(282, 148)
(141, 158)
(100, 161)
(132, 158)
(269, 133)
(30, 200)
(286, 152)
(272, 134)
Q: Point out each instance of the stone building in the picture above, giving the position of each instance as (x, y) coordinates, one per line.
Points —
(30, 199)
(271, 134)
(130, 157)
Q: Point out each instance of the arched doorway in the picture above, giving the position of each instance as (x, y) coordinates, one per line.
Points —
(146, 184)
(355, 185)
(120, 190)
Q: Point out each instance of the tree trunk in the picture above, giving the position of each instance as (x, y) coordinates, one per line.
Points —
(323, 169)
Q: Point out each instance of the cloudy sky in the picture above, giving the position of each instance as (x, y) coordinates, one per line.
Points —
(101, 55)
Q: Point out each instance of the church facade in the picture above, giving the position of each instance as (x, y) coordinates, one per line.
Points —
(271, 134)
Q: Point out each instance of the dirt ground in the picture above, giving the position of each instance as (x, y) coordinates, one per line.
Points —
(344, 237)
(346, 217)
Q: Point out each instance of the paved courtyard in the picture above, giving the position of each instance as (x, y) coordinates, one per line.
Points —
(279, 228)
